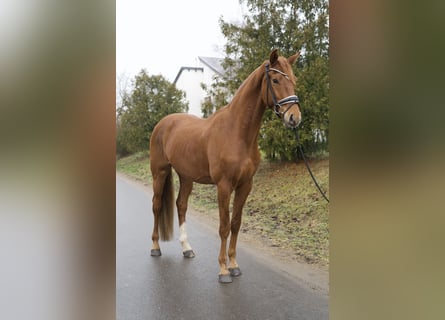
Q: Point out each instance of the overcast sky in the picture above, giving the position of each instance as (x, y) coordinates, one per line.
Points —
(162, 36)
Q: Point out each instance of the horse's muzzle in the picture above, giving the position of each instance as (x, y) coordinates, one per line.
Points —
(294, 121)
(291, 119)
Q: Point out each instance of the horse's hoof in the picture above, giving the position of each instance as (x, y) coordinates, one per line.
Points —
(224, 278)
(235, 272)
(156, 252)
(189, 254)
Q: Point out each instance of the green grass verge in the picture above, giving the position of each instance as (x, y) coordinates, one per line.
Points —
(284, 208)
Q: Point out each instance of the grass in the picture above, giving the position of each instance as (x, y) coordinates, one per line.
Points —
(135, 166)
(283, 210)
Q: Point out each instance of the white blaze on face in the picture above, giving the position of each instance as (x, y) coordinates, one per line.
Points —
(183, 238)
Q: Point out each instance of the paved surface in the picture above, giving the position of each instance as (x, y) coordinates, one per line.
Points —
(172, 287)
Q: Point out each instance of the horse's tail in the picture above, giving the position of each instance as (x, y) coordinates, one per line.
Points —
(166, 214)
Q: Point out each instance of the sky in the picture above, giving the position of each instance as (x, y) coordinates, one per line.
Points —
(162, 36)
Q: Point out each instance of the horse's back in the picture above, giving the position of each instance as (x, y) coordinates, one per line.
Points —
(171, 124)
(180, 140)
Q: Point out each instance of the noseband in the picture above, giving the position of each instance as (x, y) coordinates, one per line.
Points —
(291, 100)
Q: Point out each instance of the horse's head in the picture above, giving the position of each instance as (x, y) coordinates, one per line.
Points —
(279, 88)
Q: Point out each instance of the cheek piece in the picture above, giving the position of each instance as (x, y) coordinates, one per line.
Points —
(290, 100)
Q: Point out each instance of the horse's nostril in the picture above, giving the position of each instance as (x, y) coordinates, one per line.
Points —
(291, 118)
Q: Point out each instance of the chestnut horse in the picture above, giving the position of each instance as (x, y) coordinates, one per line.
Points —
(220, 150)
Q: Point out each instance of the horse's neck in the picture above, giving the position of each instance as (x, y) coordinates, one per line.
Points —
(247, 108)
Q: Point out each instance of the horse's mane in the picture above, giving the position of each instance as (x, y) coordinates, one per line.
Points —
(257, 72)
(240, 89)
(248, 79)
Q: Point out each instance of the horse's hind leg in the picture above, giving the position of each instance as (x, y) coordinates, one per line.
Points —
(241, 194)
(185, 189)
(159, 179)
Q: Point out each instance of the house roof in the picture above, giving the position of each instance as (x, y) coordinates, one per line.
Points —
(188, 69)
(213, 63)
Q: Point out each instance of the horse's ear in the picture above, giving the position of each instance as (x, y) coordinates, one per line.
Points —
(273, 56)
(293, 58)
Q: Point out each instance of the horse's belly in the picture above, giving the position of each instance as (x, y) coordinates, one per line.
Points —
(196, 176)
(204, 180)
(192, 170)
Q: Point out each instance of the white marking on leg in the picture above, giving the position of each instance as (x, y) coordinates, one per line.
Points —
(183, 238)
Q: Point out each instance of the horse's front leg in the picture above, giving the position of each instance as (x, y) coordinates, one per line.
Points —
(224, 192)
(241, 194)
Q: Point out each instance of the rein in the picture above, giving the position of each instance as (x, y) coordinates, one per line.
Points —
(307, 166)
(277, 104)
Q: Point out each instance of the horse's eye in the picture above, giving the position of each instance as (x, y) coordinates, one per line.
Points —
(275, 81)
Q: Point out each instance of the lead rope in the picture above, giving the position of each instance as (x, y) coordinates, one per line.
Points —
(299, 147)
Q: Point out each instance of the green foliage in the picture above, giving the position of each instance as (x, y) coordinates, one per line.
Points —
(277, 142)
(151, 98)
(217, 97)
(291, 26)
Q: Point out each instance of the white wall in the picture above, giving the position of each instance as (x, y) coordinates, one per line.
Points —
(208, 74)
(190, 82)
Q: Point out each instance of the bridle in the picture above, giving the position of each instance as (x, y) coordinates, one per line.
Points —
(277, 106)
(291, 100)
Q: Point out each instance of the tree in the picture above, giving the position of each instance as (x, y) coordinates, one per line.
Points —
(151, 99)
(290, 25)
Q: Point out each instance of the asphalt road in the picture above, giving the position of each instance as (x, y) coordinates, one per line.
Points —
(173, 287)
